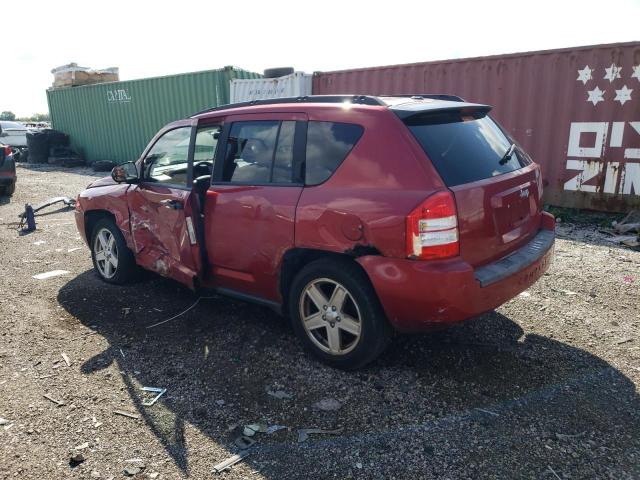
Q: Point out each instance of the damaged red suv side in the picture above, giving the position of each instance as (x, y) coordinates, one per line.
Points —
(352, 215)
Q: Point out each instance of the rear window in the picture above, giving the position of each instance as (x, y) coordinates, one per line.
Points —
(328, 144)
(464, 148)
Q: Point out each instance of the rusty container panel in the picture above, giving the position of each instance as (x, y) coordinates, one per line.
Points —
(576, 111)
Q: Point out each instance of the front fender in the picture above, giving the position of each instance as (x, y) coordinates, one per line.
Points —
(110, 200)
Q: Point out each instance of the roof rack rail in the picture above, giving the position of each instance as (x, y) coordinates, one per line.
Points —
(359, 99)
(434, 96)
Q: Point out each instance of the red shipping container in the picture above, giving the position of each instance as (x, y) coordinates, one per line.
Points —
(575, 110)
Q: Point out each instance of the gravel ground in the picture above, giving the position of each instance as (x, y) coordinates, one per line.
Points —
(544, 387)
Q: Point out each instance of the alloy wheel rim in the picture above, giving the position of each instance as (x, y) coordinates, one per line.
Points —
(330, 316)
(106, 253)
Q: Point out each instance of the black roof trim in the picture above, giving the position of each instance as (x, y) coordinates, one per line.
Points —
(357, 99)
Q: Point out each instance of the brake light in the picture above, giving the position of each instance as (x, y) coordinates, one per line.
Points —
(7, 151)
(539, 182)
(432, 228)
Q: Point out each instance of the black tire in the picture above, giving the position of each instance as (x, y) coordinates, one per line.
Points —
(126, 265)
(277, 72)
(10, 190)
(375, 331)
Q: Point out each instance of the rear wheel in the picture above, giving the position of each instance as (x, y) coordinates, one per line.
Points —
(336, 314)
(10, 190)
(111, 257)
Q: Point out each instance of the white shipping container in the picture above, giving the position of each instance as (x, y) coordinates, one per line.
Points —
(296, 84)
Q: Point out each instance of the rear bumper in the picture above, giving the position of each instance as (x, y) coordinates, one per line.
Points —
(421, 296)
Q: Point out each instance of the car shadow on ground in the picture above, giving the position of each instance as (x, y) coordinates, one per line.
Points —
(480, 397)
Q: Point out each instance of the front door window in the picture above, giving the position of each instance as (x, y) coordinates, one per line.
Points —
(167, 161)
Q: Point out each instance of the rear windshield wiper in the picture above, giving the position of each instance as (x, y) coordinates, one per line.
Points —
(508, 154)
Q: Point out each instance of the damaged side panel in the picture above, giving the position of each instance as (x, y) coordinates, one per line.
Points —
(160, 231)
(109, 198)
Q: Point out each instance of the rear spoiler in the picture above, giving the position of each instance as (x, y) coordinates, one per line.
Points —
(410, 109)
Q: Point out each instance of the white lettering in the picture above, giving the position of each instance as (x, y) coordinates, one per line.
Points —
(611, 177)
(630, 178)
(588, 170)
(633, 152)
(119, 95)
(577, 129)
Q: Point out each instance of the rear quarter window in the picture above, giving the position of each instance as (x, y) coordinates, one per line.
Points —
(464, 149)
(328, 144)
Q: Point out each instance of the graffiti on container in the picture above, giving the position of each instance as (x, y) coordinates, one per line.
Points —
(619, 177)
(118, 96)
(595, 96)
(588, 141)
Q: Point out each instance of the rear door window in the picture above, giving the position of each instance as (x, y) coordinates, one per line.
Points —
(464, 148)
(328, 144)
(259, 152)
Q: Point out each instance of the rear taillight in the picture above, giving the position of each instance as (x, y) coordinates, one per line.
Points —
(7, 151)
(432, 228)
(539, 182)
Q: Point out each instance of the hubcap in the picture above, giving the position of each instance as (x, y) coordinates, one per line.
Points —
(106, 253)
(330, 316)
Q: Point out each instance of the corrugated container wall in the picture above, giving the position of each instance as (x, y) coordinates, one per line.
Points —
(576, 111)
(296, 84)
(115, 121)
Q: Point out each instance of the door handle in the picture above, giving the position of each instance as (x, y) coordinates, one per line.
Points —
(172, 204)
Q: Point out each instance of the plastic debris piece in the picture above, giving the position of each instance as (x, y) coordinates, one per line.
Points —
(279, 394)
(51, 399)
(303, 434)
(4, 421)
(126, 414)
(53, 273)
(220, 402)
(251, 430)
(66, 359)
(76, 459)
(231, 461)
(133, 470)
(82, 446)
(243, 442)
(328, 405)
(274, 428)
(159, 391)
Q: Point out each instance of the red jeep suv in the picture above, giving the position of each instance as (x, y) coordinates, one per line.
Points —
(352, 215)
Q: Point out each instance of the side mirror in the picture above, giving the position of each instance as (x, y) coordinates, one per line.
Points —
(125, 173)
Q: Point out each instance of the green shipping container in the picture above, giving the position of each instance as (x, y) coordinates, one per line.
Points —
(115, 121)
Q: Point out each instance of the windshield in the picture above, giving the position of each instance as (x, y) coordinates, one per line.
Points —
(7, 125)
(464, 148)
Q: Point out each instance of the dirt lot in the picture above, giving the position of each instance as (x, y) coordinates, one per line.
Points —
(545, 387)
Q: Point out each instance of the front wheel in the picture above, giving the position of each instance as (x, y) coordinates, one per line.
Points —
(336, 314)
(112, 259)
